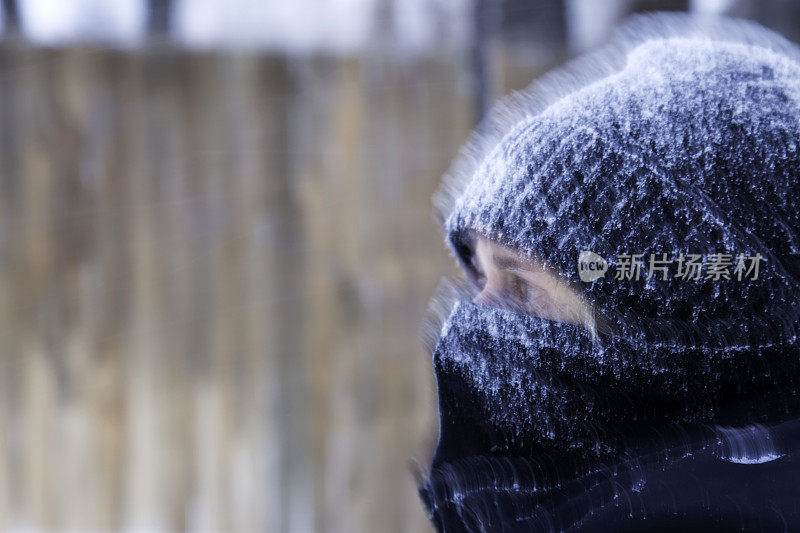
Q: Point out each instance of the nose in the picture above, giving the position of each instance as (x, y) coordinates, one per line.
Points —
(486, 296)
(480, 297)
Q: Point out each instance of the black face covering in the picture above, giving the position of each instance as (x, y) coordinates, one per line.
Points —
(520, 385)
(689, 146)
(544, 427)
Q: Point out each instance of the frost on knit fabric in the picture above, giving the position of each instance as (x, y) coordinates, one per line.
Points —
(680, 137)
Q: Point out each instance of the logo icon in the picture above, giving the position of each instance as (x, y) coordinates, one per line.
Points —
(591, 266)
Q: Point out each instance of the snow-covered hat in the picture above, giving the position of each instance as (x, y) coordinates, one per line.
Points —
(679, 137)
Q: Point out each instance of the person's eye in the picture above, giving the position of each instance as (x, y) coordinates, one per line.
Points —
(519, 288)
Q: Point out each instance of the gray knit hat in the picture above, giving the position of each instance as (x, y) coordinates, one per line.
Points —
(685, 141)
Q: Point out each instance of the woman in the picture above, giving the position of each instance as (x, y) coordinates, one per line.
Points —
(662, 390)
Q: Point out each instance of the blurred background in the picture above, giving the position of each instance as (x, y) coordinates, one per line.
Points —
(218, 247)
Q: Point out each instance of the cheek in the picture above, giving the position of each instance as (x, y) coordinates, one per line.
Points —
(559, 302)
(571, 308)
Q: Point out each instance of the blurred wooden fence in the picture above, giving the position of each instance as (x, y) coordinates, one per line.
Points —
(212, 276)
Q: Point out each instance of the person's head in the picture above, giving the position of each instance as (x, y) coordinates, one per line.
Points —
(683, 143)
